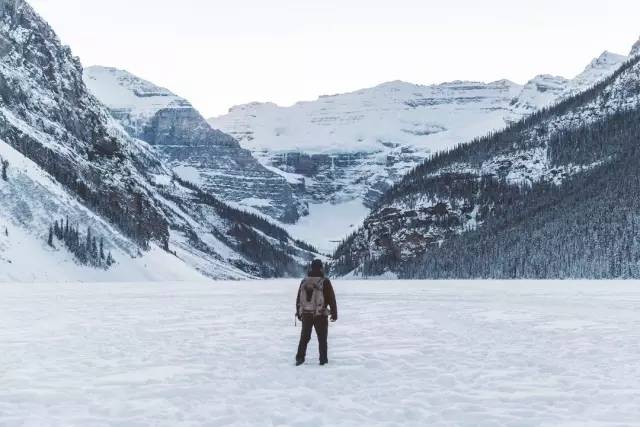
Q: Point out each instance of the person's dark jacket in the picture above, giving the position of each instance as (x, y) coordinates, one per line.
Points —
(329, 295)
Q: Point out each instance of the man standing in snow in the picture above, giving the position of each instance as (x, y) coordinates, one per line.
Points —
(315, 295)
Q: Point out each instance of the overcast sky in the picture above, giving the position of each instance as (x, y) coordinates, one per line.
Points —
(219, 53)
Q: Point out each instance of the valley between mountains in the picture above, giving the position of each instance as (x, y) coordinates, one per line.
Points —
(107, 176)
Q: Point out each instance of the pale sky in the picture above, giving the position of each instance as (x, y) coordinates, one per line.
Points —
(221, 53)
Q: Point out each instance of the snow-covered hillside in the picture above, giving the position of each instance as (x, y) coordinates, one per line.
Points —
(30, 200)
(401, 354)
(354, 146)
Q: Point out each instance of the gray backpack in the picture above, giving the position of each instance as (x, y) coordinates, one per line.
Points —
(311, 297)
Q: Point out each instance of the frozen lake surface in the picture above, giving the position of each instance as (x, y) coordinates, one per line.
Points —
(402, 353)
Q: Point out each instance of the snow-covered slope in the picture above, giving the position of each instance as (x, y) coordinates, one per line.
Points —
(67, 156)
(354, 146)
(194, 151)
(29, 201)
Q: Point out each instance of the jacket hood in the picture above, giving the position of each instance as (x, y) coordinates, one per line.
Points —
(315, 273)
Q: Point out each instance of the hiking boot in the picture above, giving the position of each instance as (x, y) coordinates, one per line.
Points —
(323, 362)
(299, 362)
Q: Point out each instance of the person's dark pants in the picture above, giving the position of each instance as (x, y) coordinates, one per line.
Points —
(321, 324)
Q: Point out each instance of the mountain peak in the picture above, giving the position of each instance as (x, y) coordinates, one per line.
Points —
(504, 82)
(607, 57)
(143, 88)
(119, 89)
(252, 106)
(394, 84)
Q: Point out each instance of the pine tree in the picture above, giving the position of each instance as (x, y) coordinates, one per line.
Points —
(88, 250)
(88, 242)
(5, 166)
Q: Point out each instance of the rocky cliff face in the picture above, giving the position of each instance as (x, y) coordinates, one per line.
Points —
(47, 115)
(67, 157)
(190, 146)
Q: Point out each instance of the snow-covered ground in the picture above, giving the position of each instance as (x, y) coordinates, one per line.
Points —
(402, 353)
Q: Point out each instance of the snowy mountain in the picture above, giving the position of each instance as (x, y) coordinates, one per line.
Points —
(543, 198)
(65, 159)
(194, 151)
(350, 148)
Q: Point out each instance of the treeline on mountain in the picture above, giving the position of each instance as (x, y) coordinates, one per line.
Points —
(272, 259)
(597, 142)
(250, 219)
(87, 250)
(586, 228)
(257, 239)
